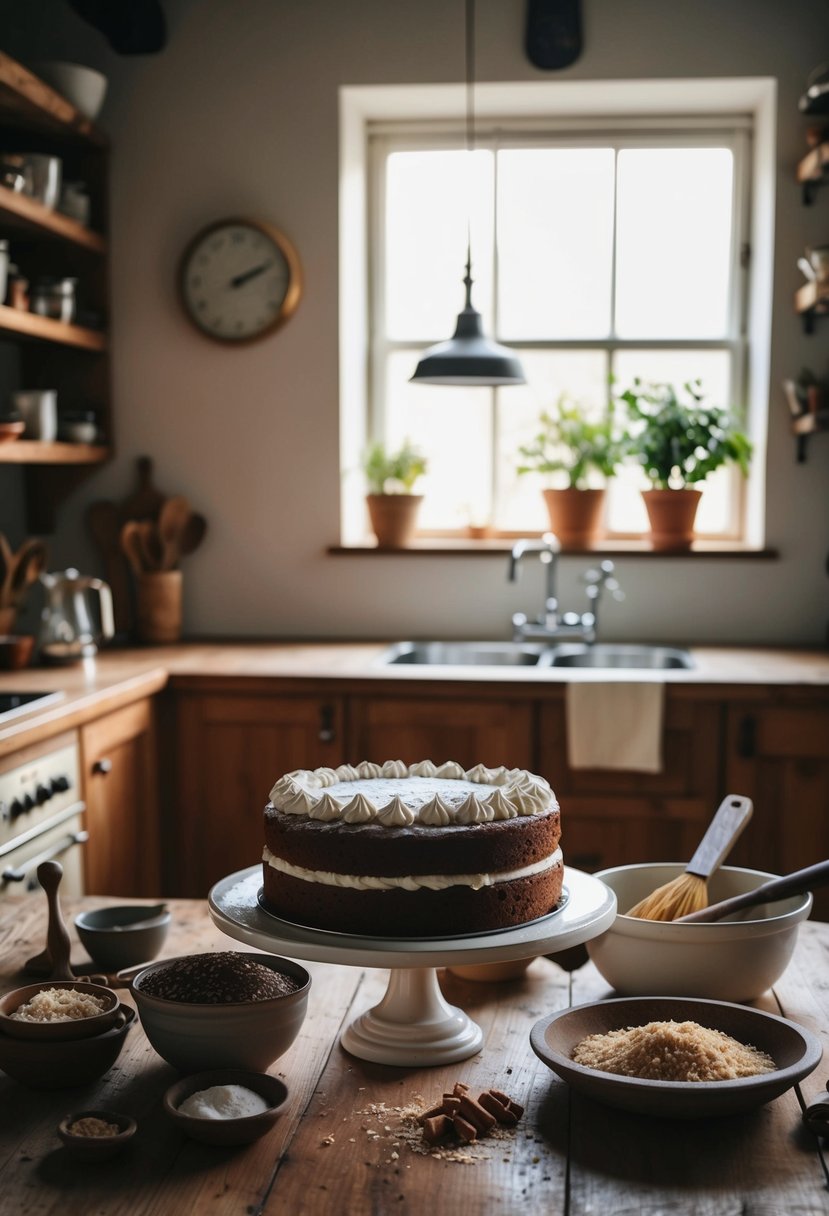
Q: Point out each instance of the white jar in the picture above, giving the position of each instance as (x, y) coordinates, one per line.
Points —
(38, 408)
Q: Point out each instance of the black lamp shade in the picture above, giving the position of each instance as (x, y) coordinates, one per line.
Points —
(469, 358)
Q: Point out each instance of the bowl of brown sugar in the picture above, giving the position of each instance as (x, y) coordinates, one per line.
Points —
(675, 1057)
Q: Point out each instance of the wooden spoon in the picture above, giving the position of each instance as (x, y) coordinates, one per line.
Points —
(172, 521)
(797, 883)
(131, 545)
(192, 534)
(29, 564)
(149, 543)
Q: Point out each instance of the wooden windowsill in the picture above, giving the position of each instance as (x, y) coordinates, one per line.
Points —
(462, 547)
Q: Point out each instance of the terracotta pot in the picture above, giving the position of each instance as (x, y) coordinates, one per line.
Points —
(393, 518)
(158, 606)
(671, 514)
(575, 515)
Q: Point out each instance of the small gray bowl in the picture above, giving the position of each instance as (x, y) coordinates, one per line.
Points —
(123, 935)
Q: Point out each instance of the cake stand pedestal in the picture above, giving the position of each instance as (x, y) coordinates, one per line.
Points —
(413, 1025)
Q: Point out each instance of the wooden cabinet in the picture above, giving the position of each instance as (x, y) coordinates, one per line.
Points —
(612, 818)
(40, 352)
(777, 752)
(230, 749)
(492, 731)
(120, 782)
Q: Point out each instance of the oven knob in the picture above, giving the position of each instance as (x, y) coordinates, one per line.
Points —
(28, 802)
(59, 784)
(42, 794)
(16, 809)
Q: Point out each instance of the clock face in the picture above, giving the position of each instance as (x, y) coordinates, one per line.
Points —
(240, 280)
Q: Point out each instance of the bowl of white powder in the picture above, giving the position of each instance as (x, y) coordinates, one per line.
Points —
(225, 1105)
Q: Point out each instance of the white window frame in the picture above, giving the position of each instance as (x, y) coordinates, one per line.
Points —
(627, 111)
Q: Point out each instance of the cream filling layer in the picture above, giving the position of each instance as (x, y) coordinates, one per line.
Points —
(417, 882)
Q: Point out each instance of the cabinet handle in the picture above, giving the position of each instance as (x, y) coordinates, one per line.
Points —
(327, 733)
(747, 737)
(102, 766)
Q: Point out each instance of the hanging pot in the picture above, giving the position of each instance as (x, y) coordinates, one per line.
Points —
(575, 516)
(671, 514)
(393, 518)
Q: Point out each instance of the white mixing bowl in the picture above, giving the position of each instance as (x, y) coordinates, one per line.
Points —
(84, 87)
(730, 960)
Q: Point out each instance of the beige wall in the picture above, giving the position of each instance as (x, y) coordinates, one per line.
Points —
(239, 115)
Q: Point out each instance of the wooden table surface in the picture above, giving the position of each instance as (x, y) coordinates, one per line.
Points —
(336, 1148)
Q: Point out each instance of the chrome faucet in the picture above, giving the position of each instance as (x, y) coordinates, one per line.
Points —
(551, 623)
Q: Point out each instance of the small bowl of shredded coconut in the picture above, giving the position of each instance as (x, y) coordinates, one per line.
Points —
(59, 1009)
(95, 1135)
(676, 1057)
(227, 1106)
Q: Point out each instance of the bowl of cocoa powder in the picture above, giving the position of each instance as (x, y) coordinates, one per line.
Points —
(223, 1009)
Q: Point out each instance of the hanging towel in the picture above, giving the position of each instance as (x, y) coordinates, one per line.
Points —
(615, 726)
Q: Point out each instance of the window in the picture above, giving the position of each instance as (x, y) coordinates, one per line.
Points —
(600, 248)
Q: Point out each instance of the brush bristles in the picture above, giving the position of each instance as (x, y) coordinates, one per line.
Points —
(674, 899)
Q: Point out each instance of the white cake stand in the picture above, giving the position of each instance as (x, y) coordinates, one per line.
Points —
(412, 1025)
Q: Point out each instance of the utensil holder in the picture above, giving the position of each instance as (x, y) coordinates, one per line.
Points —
(158, 606)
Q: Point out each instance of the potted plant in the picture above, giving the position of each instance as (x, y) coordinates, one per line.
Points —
(580, 448)
(679, 441)
(392, 505)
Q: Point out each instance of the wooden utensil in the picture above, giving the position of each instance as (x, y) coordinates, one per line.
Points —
(54, 960)
(192, 534)
(172, 521)
(29, 563)
(6, 568)
(689, 892)
(797, 883)
(104, 525)
(132, 547)
(149, 544)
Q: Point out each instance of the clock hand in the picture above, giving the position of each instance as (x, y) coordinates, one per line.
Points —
(239, 280)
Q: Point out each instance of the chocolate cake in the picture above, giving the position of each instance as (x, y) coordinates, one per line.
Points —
(419, 850)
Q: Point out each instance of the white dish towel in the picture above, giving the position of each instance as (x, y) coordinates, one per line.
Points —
(615, 726)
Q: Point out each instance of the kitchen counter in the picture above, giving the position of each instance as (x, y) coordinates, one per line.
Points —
(117, 677)
(335, 1148)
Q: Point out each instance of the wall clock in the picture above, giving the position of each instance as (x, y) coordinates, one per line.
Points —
(240, 280)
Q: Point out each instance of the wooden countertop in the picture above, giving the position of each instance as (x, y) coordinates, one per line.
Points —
(335, 1150)
(116, 677)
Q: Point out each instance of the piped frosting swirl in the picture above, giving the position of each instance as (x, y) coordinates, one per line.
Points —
(395, 794)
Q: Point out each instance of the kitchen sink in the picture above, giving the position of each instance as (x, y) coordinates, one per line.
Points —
(466, 654)
(606, 655)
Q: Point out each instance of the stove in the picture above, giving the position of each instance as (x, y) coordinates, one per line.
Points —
(14, 703)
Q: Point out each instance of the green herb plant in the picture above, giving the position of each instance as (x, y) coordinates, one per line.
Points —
(393, 472)
(573, 443)
(679, 440)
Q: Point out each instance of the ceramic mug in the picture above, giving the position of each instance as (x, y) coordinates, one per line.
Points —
(42, 177)
(39, 410)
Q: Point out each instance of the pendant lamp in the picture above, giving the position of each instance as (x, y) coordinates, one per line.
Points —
(469, 357)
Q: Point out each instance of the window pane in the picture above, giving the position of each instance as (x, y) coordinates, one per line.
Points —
(431, 199)
(555, 242)
(712, 367)
(673, 242)
(580, 374)
(452, 427)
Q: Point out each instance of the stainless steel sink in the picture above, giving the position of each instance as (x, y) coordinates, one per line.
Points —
(607, 655)
(466, 654)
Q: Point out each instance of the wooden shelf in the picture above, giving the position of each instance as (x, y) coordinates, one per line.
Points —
(29, 103)
(45, 329)
(27, 215)
(34, 451)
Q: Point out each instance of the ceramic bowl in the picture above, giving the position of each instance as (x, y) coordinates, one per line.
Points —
(83, 86)
(123, 935)
(226, 1131)
(9, 429)
(16, 650)
(52, 1032)
(730, 960)
(64, 1063)
(96, 1148)
(244, 1034)
(795, 1051)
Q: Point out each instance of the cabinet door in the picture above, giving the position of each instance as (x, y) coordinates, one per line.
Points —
(121, 791)
(779, 756)
(230, 750)
(611, 817)
(490, 732)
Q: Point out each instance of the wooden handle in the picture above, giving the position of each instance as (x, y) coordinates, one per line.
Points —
(49, 874)
(732, 816)
(797, 883)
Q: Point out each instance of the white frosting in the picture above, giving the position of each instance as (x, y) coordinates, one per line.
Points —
(432, 882)
(394, 794)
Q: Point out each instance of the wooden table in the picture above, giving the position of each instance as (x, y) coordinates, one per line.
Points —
(335, 1150)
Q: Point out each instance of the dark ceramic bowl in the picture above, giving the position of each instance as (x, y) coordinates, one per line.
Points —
(243, 1130)
(65, 1063)
(51, 1032)
(96, 1148)
(795, 1051)
(123, 935)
